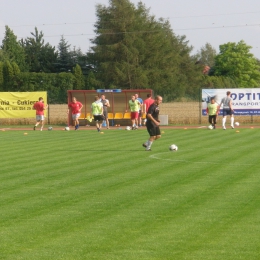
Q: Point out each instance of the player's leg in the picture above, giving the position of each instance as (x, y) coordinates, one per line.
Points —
(73, 116)
(100, 121)
(232, 121)
(214, 121)
(42, 123)
(133, 123)
(96, 119)
(134, 119)
(140, 118)
(97, 126)
(77, 121)
(210, 120)
(38, 120)
(224, 119)
(154, 133)
(150, 142)
(106, 119)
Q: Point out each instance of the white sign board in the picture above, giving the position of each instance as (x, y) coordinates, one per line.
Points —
(246, 101)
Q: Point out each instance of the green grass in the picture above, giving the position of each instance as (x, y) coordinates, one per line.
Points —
(83, 195)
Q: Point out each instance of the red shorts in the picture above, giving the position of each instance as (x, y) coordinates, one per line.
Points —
(134, 115)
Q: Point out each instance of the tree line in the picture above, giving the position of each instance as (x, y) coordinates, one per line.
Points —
(131, 50)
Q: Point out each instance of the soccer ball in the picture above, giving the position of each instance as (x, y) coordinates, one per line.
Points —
(236, 124)
(67, 128)
(210, 127)
(50, 128)
(128, 128)
(173, 148)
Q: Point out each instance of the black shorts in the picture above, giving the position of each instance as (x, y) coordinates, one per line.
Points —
(153, 130)
(227, 112)
(98, 118)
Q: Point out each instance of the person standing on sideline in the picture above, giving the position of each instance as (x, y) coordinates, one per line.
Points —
(147, 103)
(212, 111)
(133, 106)
(75, 107)
(39, 107)
(97, 112)
(140, 109)
(106, 104)
(153, 123)
(227, 110)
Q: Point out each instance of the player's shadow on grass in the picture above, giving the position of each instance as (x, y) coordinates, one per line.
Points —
(102, 150)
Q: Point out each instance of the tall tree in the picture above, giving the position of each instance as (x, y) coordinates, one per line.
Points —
(65, 61)
(236, 61)
(41, 57)
(1, 76)
(13, 50)
(207, 54)
(8, 72)
(79, 79)
(134, 50)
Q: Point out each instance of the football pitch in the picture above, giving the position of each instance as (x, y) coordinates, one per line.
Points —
(85, 195)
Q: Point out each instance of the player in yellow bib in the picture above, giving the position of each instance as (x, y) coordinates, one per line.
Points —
(212, 111)
(97, 112)
(133, 106)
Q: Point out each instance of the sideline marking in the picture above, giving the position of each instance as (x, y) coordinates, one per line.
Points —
(156, 156)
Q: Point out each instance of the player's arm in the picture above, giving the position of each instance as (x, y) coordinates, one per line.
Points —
(107, 103)
(149, 116)
(230, 105)
(81, 106)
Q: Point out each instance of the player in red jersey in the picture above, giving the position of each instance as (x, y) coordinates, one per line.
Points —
(147, 103)
(75, 107)
(39, 107)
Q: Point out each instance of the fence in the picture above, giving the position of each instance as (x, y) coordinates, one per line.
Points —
(186, 113)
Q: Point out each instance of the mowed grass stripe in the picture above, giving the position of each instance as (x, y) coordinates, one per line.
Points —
(131, 206)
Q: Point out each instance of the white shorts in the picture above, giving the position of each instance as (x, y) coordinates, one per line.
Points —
(75, 116)
(39, 118)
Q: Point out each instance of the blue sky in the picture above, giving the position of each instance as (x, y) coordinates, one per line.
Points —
(215, 22)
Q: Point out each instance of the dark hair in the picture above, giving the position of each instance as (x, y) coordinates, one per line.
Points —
(149, 95)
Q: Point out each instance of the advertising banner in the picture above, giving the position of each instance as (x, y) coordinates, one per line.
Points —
(246, 101)
(19, 104)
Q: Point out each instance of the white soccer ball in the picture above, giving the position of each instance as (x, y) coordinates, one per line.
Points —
(128, 128)
(210, 127)
(67, 128)
(173, 148)
(236, 124)
(50, 128)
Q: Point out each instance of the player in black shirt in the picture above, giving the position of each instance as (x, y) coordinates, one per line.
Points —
(153, 123)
